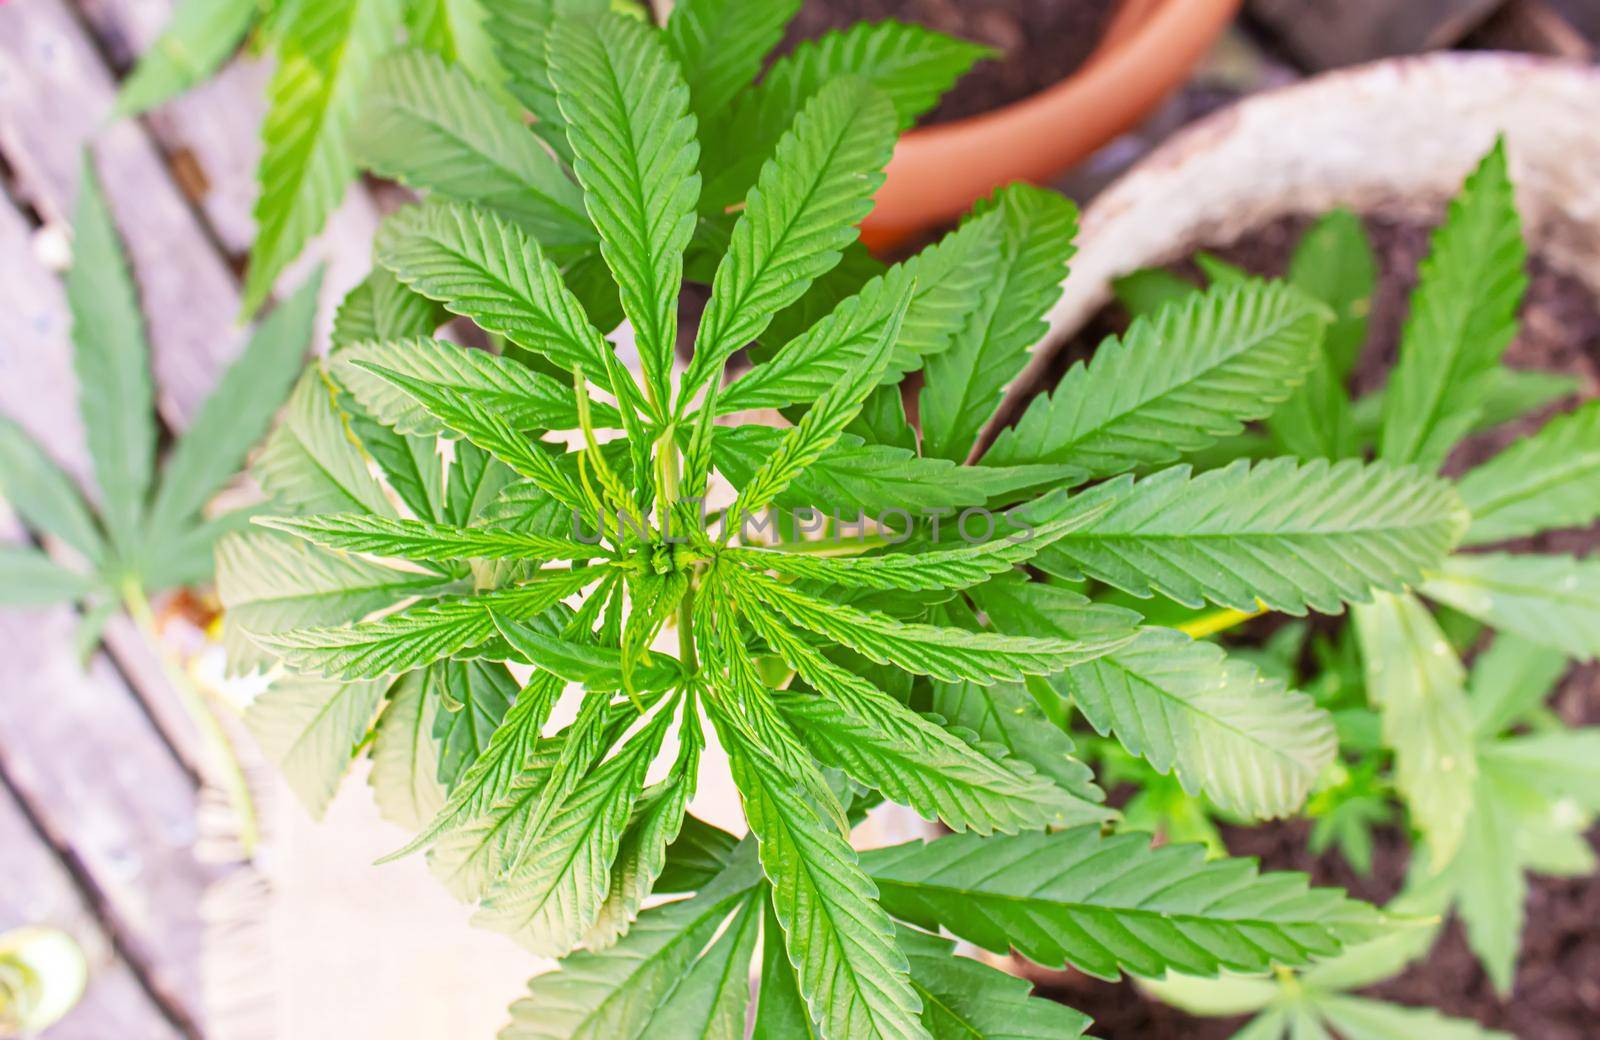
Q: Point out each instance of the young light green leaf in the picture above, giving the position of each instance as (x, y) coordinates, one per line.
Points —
(1509, 681)
(1558, 764)
(798, 219)
(456, 31)
(596, 667)
(1334, 263)
(525, 399)
(474, 416)
(312, 728)
(1287, 534)
(405, 761)
(1007, 716)
(112, 362)
(43, 495)
(29, 578)
(424, 541)
(964, 383)
(271, 584)
(948, 654)
(1463, 314)
(852, 475)
(196, 40)
(469, 857)
(710, 1002)
(1105, 904)
(490, 777)
(311, 462)
(480, 265)
(841, 943)
(627, 112)
(1173, 384)
(1252, 746)
(431, 127)
(1549, 480)
(1148, 290)
(1553, 601)
(1359, 1018)
(1490, 888)
(326, 53)
(851, 725)
(910, 571)
(1416, 681)
(421, 634)
(237, 413)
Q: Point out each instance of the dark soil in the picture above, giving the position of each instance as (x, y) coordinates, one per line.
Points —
(1039, 41)
(1557, 992)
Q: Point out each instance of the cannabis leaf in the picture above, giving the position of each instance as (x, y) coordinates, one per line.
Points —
(1142, 402)
(326, 52)
(1463, 314)
(1104, 904)
(1542, 482)
(627, 112)
(1290, 535)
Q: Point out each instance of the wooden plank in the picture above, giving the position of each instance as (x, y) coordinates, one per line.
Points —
(39, 890)
(1323, 34)
(55, 94)
(212, 130)
(77, 744)
(87, 760)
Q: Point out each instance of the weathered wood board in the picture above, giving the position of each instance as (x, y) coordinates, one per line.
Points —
(39, 890)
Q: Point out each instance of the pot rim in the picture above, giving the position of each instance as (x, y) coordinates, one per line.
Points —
(1147, 49)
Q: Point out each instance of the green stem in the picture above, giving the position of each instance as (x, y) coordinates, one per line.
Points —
(219, 748)
(670, 481)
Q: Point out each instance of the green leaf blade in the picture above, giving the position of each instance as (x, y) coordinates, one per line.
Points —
(1290, 535)
(964, 383)
(111, 358)
(1463, 314)
(326, 53)
(1111, 904)
(1175, 383)
(627, 112)
(798, 219)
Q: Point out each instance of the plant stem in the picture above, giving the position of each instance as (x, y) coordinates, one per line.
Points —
(1217, 621)
(219, 749)
(670, 478)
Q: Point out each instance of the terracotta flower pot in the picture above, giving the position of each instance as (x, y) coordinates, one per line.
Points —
(1393, 139)
(939, 171)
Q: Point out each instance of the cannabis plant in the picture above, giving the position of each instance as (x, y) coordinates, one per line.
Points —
(1495, 784)
(147, 531)
(474, 539)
